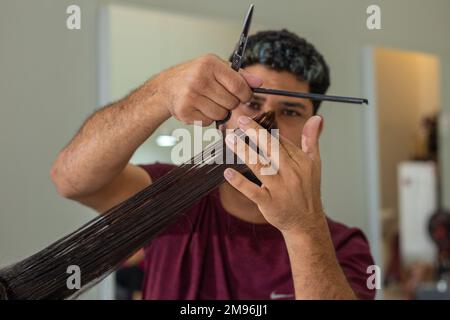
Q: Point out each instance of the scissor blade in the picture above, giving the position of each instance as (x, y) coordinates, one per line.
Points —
(248, 20)
(240, 47)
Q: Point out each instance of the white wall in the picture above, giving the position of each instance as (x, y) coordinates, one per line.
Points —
(47, 87)
(142, 43)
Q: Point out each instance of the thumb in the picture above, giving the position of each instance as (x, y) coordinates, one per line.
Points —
(310, 137)
(252, 80)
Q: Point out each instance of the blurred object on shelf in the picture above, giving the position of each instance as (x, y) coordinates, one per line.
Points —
(427, 140)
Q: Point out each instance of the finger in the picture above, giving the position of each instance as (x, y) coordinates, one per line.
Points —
(266, 142)
(310, 137)
(234, 82)
(261, 167)
(210, 109)
(281, 151)
(247, 188)
(252, 80)
(222, 96)
(198, 116)
(289, 147)
(192, 116)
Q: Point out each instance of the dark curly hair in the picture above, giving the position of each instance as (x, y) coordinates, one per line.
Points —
(285, 51)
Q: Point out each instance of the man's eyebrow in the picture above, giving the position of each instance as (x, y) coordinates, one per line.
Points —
(293, 104)
(259, 98)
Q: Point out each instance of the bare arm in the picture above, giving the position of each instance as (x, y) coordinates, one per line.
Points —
(93, 168)
(315, 269)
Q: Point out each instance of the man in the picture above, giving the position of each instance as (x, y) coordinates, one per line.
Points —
(243, 240)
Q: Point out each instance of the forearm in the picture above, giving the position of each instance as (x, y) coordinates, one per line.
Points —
(107, 140)
(315, 269)
(203, 89)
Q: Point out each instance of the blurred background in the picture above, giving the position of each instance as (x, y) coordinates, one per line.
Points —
(386, 166)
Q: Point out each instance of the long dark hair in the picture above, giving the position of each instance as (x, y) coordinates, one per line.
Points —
(101, 245)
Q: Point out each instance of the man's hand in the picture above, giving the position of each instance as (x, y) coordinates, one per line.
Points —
(204, 89)
(290, 199)
(93, 168)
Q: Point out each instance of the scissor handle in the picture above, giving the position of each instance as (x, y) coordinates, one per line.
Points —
(236, 61)
(219, 122)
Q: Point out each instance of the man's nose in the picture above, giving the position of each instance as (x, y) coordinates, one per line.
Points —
(268, 107)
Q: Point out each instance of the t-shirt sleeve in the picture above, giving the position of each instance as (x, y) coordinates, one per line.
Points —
(157, 170)
(353, 253)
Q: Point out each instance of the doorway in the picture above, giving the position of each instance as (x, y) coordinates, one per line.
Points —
(402, 154)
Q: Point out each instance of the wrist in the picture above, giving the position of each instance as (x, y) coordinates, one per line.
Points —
(312, 243)
(315, 227)
(150, 103)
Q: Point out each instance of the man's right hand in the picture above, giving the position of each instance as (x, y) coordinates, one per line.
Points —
(204, 89)
(94, 167)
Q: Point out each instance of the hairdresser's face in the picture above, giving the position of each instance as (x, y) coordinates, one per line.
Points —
(291, 113)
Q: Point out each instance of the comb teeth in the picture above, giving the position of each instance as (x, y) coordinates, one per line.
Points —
(266, 120)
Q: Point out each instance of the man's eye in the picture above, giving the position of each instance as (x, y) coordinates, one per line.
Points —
(290, 113)
(254, 105)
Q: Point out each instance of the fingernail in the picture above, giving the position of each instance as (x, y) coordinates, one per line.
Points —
(229, 174)
(321, 123)
(244, 120)
(231, 138)
(318, 118)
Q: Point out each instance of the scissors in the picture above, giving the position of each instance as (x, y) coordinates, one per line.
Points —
(238, 53)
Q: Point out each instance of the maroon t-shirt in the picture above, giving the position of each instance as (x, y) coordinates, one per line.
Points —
(210, 254)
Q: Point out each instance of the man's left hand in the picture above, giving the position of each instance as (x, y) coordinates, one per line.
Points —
(289, 199)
